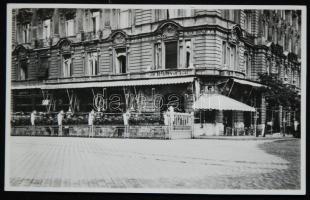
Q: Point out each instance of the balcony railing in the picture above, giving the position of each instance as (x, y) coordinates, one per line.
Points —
(87, 36)
(138, 75)
(40, 43)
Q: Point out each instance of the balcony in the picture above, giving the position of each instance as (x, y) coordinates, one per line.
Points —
(41, 43)
(185, 72)
(87, 36)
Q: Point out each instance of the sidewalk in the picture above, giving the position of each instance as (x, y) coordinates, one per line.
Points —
(275, 136)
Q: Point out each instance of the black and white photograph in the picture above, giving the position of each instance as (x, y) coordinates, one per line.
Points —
(190, 99)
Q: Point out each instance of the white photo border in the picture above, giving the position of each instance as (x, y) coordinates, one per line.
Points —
(301, 191)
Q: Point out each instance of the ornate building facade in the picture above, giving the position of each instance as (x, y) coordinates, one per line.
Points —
(146, 60)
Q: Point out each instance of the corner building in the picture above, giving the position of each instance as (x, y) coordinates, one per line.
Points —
(146, 60)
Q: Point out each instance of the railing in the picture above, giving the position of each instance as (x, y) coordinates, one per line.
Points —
(132, 76)
(106, 131)
(247, 131)
(180, 125)
(40, 43)
(86, 36)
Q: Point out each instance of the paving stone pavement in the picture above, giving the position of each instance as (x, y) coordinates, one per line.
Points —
(141, 163)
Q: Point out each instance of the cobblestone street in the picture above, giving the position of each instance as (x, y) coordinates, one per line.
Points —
(138, 163)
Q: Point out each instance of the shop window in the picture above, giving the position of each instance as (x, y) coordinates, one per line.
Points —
(171, 55)
(124, 18)
(67, 65)
(70, 27)
(120, 61)
(92, 64)
(26, 33)
(157, 56)
(203, 117)
(23, 74)
(46, 29)
(95, 21)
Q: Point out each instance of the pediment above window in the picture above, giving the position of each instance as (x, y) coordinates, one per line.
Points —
(118, 37)
(21, 50)
(169, 30)
(64, 45)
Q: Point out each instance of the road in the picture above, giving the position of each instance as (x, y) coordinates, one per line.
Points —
(142, 163)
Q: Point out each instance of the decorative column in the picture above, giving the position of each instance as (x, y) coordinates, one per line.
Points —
(280, 118)
(263, 114)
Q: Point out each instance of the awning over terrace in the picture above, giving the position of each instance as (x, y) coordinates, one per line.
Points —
(220, 102)
(245, 82)
(102, 84)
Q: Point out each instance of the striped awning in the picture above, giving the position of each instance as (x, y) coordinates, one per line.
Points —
(220, 102)
(100, 84)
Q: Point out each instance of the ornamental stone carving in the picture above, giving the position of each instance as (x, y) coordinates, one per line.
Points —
(234, 35)
(170, 31)
(119, 38)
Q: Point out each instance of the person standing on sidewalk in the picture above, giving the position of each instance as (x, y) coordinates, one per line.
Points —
(32, 121)
(126, 117)
(33, 117)
(60, 117)
(91, 117)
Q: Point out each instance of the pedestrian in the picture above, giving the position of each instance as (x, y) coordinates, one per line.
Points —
(60, 117)
(166, 118)
(33, 117)
(32, 121)
(296, 123)
(171, 115)
(126, 117)
(91, 117)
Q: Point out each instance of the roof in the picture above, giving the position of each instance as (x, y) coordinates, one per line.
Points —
(141, 82)
(220, 102)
